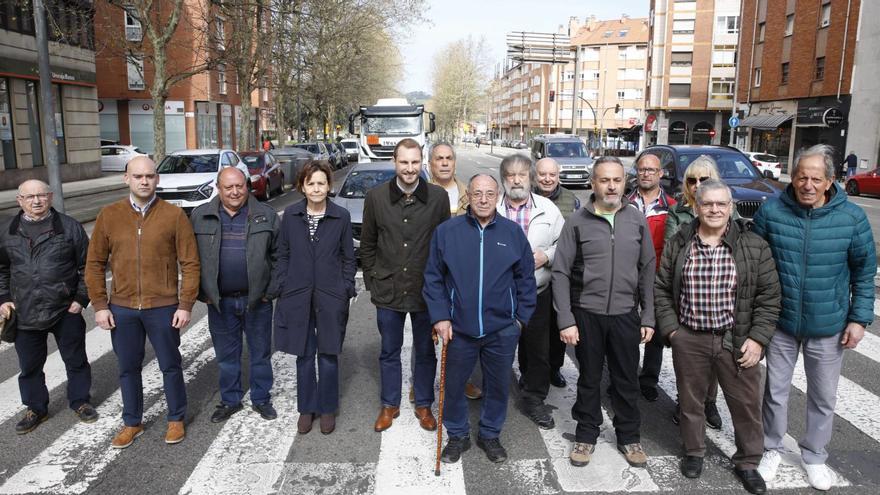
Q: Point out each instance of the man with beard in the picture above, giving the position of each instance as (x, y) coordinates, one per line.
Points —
(603, 274)
(541, 222)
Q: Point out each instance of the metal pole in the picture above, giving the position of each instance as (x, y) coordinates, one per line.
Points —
(47, 107)
(575, 95)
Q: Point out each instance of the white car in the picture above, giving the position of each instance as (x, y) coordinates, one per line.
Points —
(114, 157)
(765, 162)
(187, 178)
(351, 148)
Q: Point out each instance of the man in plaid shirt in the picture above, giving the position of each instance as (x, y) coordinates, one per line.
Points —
(717, 299)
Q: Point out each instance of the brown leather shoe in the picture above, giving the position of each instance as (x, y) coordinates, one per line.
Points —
(176, 433)
(472, 391)
(426, 418)
(304, 423)
(386, 417)
(126, 436)
(328, 423)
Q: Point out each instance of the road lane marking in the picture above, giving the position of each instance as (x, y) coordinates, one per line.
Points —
(248, 454)
(6, 345)
(83, 452)
(303, 478)
(407, 452)
(97, 344)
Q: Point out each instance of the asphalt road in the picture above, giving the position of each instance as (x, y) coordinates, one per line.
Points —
(249, 455)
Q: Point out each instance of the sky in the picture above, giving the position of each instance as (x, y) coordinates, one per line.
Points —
(451, 20)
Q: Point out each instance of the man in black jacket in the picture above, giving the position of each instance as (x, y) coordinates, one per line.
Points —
(42, 261)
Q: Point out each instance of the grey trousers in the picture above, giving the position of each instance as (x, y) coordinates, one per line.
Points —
(822, 361)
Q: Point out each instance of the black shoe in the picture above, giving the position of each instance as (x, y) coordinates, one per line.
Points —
(266, 410)
(86, 413)
(713, 419)
(539, 415)
(557, 380)
(224, 412)
(30, 421)
(454, 448)
(676, 415)
(751, 480)
(493, 449)
(649, 393)
(692, 466)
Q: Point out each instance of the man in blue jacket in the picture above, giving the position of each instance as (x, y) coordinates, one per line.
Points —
(480, 291)
(825, 255)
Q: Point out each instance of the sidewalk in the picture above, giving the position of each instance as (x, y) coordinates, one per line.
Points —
(105, 189)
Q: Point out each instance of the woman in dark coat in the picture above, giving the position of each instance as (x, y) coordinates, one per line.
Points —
(316, 268)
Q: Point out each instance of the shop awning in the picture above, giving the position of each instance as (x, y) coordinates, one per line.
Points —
(766, 122)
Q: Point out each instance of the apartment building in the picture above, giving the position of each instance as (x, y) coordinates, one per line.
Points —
(796, 74)
(691, 70)
(72, 61)
(864, 127)
(203, 111)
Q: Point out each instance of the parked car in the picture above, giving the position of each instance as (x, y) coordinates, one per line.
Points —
(267, 178)
(291, 161)
(115, 157)
(188, 177)
(575, 163)
(351, 148)
(864, 183)
(319, 150)
(341, 154)
(750, 188)
(765, 162)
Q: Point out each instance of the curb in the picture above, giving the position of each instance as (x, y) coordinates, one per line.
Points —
(5, 205)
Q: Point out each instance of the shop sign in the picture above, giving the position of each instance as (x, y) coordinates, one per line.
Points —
(832, 117)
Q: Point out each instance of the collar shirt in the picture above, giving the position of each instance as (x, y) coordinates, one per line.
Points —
(659, 206)
(142, 211)
(520, 214)
(708, 291)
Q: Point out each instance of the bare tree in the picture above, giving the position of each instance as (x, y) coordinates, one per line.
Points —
(460, 81)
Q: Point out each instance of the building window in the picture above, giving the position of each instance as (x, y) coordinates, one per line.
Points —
(220, 33)
(135, 72)
(17, 16)
(683, 27)
(608, 34)
(728, 24)
(825, 16)
(757, 78)
(682, 59)
(724, 56)
(621, 94)
(33, 116)
(58, 106)
(820, 69)
(721, 89)
(789, 24)
(623, 33)
(621, 52)
(762, 28)
(264, 92)
(784, 73)
(8, 159)
(221, 78)
(133, 30)
(679, 90)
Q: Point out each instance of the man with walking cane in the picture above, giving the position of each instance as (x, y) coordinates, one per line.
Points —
(480, 291)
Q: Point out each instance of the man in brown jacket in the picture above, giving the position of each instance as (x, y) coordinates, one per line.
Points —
(144, 239)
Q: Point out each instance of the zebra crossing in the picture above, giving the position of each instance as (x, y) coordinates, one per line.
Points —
(247, 455)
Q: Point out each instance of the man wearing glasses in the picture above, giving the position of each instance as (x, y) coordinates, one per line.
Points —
(654, 203)
(42, 261)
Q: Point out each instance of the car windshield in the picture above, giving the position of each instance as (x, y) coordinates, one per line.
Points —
(189, 164)
(311, 148)
(566, 150)
(349, 145)
(252, 161)
(766, 157)
(402, 126)
(730, 165)
(360, 181)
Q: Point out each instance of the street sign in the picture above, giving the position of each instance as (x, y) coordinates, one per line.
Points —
(734, 122)
(548, 48)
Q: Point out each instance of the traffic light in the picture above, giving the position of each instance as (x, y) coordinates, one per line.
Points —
(552, 95)
(617, 108)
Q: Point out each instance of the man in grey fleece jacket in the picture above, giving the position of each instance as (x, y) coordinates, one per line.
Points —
(603, 275)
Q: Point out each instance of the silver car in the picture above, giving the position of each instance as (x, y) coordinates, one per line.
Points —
(353, 189)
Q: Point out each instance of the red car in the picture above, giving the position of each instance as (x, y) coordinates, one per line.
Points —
(267, 178)
(864, 183)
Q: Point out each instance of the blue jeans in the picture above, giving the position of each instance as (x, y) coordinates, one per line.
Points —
(495, 352)
(128, 338)
(390, 324)
(227, 325)
(313, 396)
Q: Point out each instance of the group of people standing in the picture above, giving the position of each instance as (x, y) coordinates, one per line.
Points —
(495, 267)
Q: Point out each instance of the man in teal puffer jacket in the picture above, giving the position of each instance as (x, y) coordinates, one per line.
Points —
(825, 255)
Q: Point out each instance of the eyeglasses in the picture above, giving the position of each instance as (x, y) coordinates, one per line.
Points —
(693, 180)
(712, 205)
(648, 171)
(31, 197)
(480, 195)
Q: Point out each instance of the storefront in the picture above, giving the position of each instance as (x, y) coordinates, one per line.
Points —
(822, 121)
(140, 122)
(207, 135)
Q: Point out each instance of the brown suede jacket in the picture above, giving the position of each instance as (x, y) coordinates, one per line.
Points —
(143, 254)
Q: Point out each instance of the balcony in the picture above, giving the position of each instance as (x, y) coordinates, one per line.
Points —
(134, 33)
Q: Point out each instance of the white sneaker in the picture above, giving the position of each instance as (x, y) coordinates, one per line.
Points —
(769, 465)
(819, 476)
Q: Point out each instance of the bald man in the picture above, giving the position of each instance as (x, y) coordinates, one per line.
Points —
(42, 259)
(143, 240)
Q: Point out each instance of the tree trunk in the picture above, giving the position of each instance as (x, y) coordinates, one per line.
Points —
(158, 93)
(246, 132)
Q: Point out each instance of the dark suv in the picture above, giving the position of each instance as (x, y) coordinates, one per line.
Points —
(750, 188)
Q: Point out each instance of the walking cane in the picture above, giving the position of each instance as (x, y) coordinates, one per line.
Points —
(440, 408)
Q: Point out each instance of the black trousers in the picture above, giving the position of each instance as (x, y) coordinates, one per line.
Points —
(652, 363)
(615, 338)
(534, 346)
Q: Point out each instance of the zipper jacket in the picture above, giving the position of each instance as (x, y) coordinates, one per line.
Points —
(545, 224)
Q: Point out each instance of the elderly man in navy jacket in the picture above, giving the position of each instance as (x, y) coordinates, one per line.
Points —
(480, 291)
